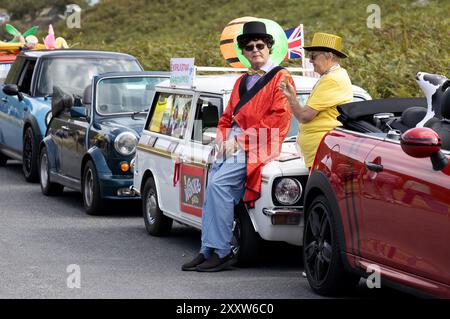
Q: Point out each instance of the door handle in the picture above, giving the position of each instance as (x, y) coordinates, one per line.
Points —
(374, 167)
(25, 108)
(65, 128)
(4, 99)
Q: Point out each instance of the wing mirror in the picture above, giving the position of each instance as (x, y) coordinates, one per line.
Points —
(13, 90)
(423, 142)
(60, 101)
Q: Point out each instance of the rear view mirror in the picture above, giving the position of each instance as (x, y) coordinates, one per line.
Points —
(423, 142)
(60, 101)
(78, 112)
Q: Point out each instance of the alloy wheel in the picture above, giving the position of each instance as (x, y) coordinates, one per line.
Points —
(89, 187)
(151, 207)
(44, 170)
(318, 243)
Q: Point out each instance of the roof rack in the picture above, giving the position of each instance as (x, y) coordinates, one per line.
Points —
(228, 69)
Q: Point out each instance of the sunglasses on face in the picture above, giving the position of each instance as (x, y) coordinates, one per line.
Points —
(314, 56)
(259, 46)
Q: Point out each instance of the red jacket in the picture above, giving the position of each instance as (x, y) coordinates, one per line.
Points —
(268, 109)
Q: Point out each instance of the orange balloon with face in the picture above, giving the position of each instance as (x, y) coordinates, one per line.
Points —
(230, 32)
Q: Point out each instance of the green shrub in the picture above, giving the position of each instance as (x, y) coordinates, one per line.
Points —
(384, 61)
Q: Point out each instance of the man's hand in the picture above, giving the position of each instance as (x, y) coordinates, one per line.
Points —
(227, 148)
(230, 147)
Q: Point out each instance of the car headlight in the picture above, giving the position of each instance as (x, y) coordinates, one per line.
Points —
(125, 143)
(48, 118)
(288, 191)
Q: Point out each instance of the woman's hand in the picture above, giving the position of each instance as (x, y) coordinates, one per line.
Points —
(288, 89)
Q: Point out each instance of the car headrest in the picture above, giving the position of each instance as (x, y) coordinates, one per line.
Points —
(87, 95)
(413, 115)
(445, 104)
(210, 115)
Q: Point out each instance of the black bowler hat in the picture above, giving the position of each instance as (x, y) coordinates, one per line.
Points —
(254, 29)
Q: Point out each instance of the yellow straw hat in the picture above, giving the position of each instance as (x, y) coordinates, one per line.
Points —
(326, 42)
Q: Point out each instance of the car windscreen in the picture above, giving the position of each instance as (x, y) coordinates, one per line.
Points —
(73, 75)
(4, 68)
(125, 95)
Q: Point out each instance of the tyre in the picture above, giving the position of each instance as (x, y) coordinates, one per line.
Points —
(48, 188)
(3, 160)
(30, 156)
(245, 242)
(321, 252)
(90, 189)
(156, 223)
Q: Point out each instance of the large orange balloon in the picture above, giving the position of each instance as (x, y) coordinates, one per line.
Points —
(230, 32)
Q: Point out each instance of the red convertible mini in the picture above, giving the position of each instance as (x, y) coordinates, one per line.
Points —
(378, 198)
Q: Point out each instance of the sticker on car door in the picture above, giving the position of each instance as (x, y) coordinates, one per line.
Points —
(192, 188)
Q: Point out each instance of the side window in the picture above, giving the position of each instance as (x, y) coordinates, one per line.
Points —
(24, 82)
(170, 114)
(206, 118)
(4, 68)
(13, 73)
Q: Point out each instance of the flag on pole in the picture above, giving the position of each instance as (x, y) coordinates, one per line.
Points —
(295, 43)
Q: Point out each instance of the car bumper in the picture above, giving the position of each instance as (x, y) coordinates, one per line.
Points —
(117, 187)
(290, 215)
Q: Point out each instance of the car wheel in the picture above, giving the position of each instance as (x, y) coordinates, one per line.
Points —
(321, 252)
(90, 189)
(48, 188)
(156, 223)
(30, 156)
(3, 160)
(245, 242)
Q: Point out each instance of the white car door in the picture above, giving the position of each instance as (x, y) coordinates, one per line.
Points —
(164, 139)
(193, 168)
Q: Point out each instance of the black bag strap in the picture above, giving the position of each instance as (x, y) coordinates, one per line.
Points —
(248, 95)
(243, 86)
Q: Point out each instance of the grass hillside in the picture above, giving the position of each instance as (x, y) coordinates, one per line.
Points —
(414, 35)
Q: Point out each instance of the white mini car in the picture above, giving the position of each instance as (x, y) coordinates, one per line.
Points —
(173, 156)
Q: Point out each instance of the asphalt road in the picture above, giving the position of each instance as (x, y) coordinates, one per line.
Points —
(40, 237)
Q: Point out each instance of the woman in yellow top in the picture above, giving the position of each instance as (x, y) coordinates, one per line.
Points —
(319, 115)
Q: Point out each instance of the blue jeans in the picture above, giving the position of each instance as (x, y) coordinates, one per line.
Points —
(226, 187)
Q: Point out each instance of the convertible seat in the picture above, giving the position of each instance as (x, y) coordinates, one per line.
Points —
(359, 115)
(442, 127)
(410, 117)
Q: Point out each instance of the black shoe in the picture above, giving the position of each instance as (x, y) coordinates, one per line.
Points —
(190, 266)
(215, 263)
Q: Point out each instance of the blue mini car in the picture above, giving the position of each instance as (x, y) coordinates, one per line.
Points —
(26, 96)
(91, 141)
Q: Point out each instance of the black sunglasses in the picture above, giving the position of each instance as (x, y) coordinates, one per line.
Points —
(259, 46)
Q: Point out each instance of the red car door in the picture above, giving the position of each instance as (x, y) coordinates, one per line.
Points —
(405, 218)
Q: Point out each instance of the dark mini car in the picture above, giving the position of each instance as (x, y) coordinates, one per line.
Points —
(378, 198)
(26, 96)
(91, 141)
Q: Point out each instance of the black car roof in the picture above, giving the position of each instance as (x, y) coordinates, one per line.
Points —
(355, 110)
(76, 54)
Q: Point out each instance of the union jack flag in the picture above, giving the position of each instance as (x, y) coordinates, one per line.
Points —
(295, 43)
